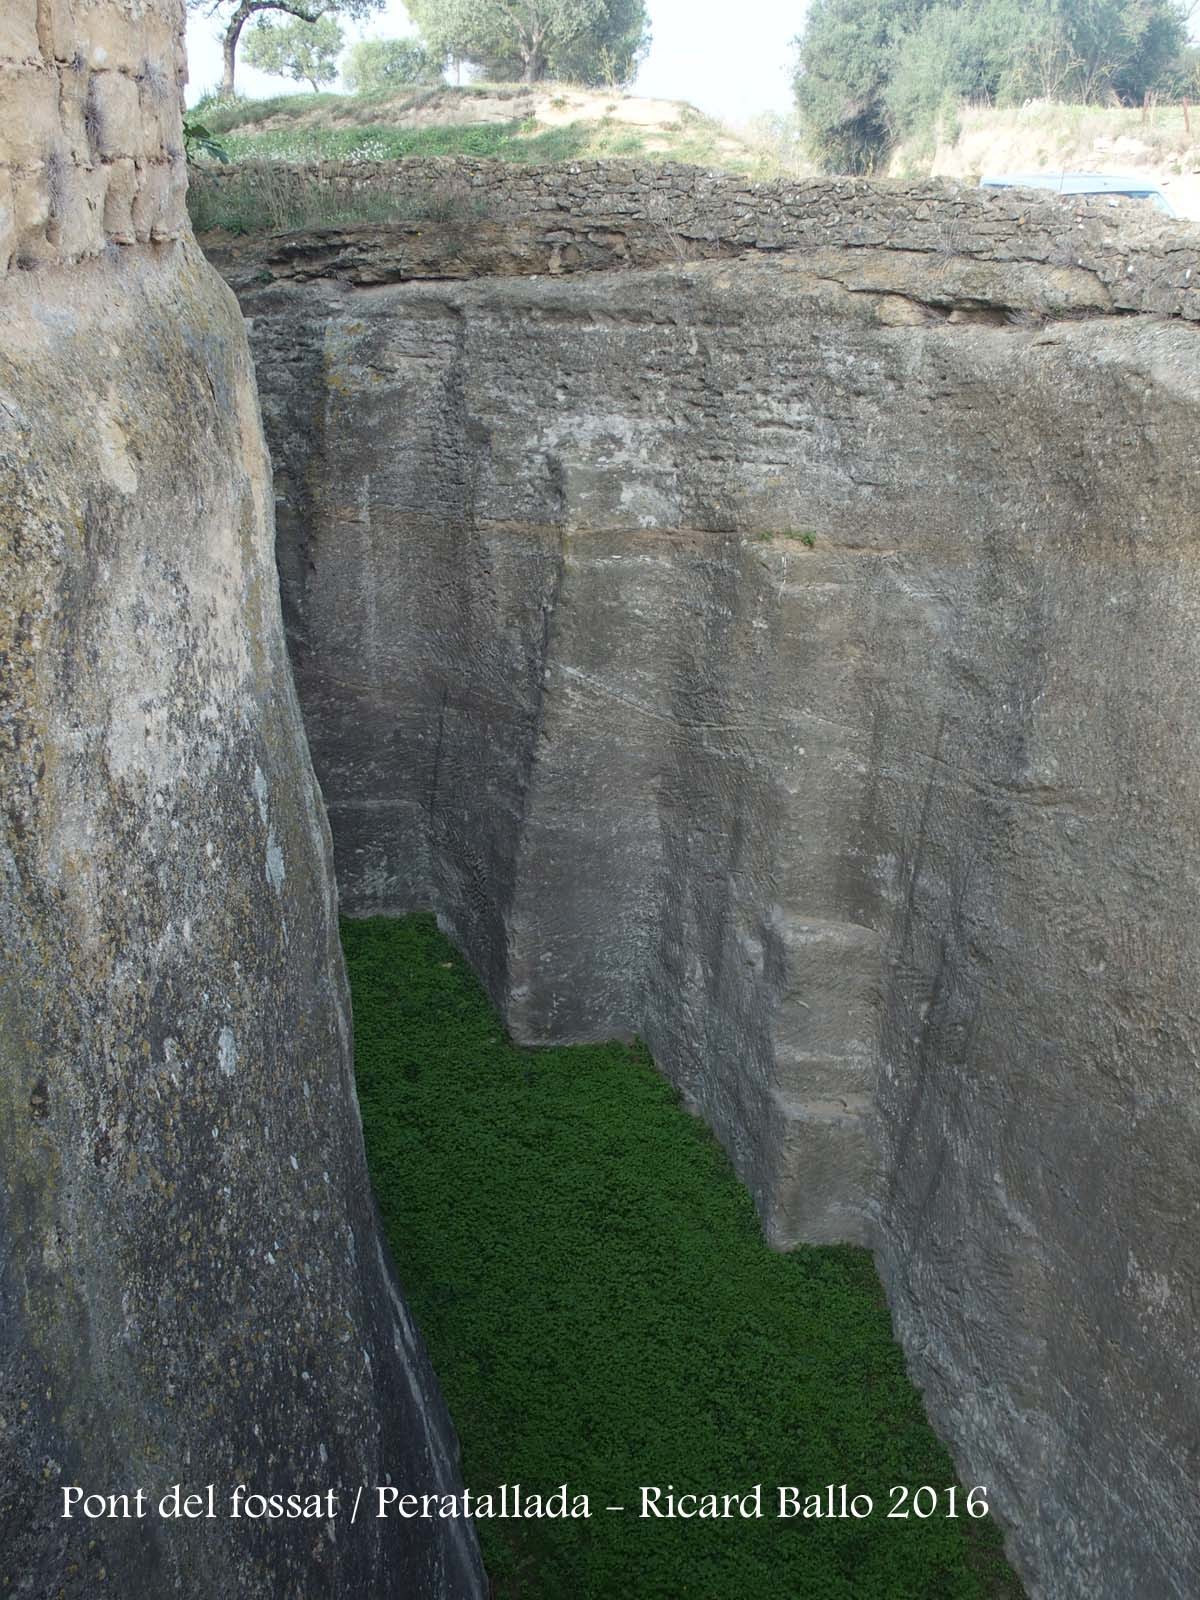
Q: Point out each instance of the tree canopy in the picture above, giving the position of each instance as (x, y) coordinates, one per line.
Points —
(610, 53)
(375, 64)
(232, 16)
(590, 41)
(870, 72)
(306, 52)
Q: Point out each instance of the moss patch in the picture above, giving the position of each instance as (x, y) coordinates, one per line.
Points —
(601, 1311)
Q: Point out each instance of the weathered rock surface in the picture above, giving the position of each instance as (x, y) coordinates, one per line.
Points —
(792, 660)
(192, 1286)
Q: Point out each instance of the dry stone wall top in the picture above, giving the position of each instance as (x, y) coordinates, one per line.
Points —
(1090, 255)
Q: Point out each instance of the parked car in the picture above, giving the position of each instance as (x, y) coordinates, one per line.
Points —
(1094, 183)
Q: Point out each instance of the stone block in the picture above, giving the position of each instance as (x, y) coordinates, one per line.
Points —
(161, 124)
(58, 31)
(115, 116)
(123, 38)
(158, 206)
(74, 114)
(29, 122)
(819, 1159)
(31, 217)
(172, 221)
(18, 31)
(77, 221)
(8, 223)
(118, 202)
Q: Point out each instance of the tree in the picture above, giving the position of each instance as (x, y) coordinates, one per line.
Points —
(1091, 50)
(303, 51)
(1122, 46)
(609, 55)
(533, 38)
(953, 53)
(846, 55)
(375, 64)
(870, 72)
(1181, 78)
(233, 15)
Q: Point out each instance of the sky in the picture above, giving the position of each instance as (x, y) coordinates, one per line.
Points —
(731, 61)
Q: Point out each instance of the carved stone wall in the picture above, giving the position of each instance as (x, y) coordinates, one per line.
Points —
(791, 659)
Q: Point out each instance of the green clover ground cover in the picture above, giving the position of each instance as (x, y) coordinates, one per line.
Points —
(601, 1311)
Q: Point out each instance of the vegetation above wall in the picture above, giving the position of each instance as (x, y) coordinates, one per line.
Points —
(1160, 143)
(601, 1310)
(588, 41)
(557, 122)
(508, 122)
(872, 72)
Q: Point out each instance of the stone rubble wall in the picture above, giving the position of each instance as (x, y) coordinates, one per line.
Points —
(615, 213)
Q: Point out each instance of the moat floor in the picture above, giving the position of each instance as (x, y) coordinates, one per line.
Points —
(602, 1312)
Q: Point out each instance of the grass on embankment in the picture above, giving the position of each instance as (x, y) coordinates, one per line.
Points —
(602, 1311)
(274, 143)
(423, 122)
(504, 141)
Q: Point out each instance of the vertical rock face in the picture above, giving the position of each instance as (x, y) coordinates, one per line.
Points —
(192, 1286)
(792, 660)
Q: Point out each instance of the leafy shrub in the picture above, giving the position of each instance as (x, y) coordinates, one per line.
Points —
(198, 142)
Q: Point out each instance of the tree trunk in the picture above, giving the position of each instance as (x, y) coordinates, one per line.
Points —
(229, 56)
(229, 43)
(533, 57)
